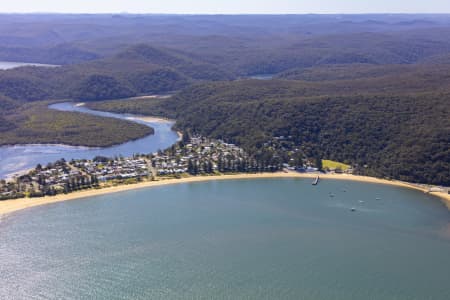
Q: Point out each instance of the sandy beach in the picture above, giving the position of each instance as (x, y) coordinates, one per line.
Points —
(150, 119)
(150, 97)
(9, 206)
(142, 118)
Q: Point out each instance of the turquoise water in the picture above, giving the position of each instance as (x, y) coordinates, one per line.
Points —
(248, 239)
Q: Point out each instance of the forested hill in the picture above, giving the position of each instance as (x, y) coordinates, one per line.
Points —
(370, 90)
(113, 56)
(23, 123)
(140, 69)
(403, 135)
(400, 136)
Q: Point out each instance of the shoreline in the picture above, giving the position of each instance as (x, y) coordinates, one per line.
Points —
(132, 117)
(10, 206)
(150, 119)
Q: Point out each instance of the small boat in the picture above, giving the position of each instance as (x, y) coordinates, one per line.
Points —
(361, 201)
(378, 199)
(331, 195)
(316, 181)
(352, 209)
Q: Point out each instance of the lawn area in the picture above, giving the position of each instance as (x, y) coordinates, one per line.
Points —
(334, 164)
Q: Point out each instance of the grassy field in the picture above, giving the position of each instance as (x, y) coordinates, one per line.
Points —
(334, 164)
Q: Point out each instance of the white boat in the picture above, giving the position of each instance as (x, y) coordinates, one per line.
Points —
(316, 181)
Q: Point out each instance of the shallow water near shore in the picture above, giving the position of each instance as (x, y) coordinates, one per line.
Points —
(238, 239)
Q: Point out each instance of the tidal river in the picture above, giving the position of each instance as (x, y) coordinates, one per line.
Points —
(21, 157)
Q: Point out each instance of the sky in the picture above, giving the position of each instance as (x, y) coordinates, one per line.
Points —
(226, 6)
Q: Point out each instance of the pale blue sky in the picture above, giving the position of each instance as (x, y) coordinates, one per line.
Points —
(227, 6)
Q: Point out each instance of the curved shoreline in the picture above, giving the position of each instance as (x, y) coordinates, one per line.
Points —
(10, 206)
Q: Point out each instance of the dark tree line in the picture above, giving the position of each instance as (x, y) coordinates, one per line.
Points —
(402, 135)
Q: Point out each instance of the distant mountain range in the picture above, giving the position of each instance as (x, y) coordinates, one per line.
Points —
(369, 90)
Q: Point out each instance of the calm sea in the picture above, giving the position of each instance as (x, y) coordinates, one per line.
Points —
(248, 239)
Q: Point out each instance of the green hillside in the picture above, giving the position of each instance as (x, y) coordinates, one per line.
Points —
(402, 134)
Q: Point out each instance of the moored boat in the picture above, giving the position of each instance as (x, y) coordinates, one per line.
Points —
(316, 180)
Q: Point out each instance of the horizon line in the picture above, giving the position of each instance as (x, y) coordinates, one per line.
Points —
(223, 14)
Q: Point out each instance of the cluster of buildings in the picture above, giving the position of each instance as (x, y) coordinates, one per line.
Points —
(54, 178)
(195, 155)
(8, 190)
(198, 156)
(105, 169)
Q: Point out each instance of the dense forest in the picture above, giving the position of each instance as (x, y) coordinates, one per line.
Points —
(35, 123)
(369, 90)
(114, 56)
(399, 135)
(141, 69)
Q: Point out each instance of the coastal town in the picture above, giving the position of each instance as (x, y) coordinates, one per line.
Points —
(195, 155)
(191, 156)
